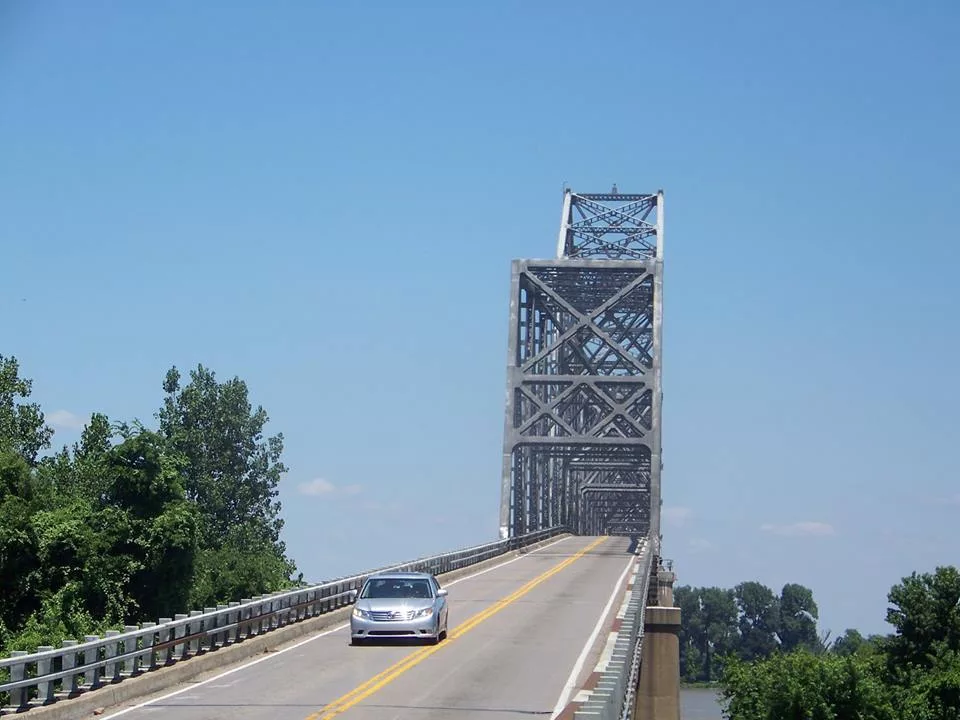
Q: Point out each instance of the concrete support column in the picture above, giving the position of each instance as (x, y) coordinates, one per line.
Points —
(658, 696)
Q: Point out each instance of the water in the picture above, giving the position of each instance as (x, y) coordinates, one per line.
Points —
(699, 704)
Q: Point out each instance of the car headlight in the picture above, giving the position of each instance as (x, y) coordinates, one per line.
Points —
(425, 612)
(357, 612)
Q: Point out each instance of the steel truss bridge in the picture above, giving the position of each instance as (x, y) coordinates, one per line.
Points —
(581, 444)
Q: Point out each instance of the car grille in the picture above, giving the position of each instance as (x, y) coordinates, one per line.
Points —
(387, 616)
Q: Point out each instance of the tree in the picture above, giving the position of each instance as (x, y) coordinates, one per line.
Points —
(691, 629)
(708, 630)
(850, 643)
(925, 615)
(759, 620)
(132, 524)
(803, 686)
(798, 618)
(231, 471)
(19, 552)
(913, 674)
(719, 609)
(22, 426)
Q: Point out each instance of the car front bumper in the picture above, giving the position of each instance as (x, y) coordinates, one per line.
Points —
(367, 628)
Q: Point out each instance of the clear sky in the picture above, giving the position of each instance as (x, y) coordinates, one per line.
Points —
(324, 199)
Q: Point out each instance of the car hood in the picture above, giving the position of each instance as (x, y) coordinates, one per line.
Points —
(391, 604)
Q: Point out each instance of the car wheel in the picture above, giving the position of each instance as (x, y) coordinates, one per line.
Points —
(356, 641)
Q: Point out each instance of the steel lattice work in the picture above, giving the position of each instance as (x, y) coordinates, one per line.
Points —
(582, 427)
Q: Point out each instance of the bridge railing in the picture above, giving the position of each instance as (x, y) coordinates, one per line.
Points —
(613, 695)
(57, 673)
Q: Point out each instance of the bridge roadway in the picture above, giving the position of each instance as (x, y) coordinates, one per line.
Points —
(518, 631)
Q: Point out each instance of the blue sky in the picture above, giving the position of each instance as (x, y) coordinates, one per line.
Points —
(324, 199)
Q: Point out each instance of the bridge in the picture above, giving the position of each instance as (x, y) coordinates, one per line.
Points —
(569, 614)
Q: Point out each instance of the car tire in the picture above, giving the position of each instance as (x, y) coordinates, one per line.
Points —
(356, 642)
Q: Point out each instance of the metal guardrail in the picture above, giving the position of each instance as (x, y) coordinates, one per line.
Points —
(52, 674)
(614, 695)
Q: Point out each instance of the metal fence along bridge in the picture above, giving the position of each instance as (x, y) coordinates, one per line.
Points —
(568, 614)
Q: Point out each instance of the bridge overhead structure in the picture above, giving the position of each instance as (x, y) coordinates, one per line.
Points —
(581, 443)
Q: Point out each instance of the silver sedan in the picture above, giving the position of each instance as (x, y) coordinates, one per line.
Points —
(400, 605)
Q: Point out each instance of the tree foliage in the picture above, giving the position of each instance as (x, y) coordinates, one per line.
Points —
(231, 473)
(911, 674)
(749, 622)
(132, 524)
(22, 427)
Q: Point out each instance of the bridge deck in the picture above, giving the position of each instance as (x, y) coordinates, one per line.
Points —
(516, 633)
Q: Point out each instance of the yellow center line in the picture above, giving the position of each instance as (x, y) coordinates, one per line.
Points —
(381, 679)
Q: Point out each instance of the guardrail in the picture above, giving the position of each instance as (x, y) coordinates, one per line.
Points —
(53, 674)
(613, 696)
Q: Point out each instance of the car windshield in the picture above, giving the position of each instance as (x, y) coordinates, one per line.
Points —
(396, 588)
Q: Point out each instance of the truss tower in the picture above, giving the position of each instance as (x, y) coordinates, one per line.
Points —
(581, 440)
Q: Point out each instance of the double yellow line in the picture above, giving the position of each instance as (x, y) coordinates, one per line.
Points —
(378, 681)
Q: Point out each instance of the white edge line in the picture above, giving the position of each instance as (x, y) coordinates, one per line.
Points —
(575, 673)
(193, 686)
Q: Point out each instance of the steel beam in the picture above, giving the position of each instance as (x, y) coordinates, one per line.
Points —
(581, 442)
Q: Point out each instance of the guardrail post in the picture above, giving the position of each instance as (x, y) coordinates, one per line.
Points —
(273, 607)
(210, 623)
(234, 618)
(178, 633)
(111, 671)
(44, 689)
(223, 619)
(148, 643)
(69, 662)
(194, 645)
(256, 627)
(245, 615)
(166, 654)
(90, 656)
(131, 664)
(18, 697)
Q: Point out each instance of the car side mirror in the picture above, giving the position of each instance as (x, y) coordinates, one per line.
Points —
(442, 592)
(352, 596)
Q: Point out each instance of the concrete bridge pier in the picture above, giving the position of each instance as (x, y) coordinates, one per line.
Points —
(658, 694)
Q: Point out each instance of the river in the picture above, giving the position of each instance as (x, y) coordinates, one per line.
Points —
(699, 704)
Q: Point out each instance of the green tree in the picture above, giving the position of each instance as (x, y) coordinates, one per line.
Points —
(708, 630)
(758, 621)
(145, 482)
(798, 618)
(913, 674)
(22, 426)
(925, 615)
(850, 643)
(719, 608)
(231, 473)
(803, 686)
(132, 524)
(20, 496)
(691, 629)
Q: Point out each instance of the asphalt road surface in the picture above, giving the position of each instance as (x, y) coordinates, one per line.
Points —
(517, 632)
